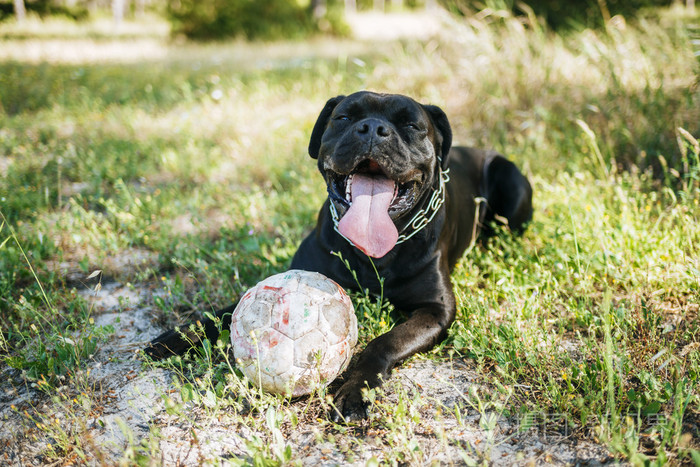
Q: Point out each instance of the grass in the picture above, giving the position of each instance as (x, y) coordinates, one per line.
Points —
(197, 156)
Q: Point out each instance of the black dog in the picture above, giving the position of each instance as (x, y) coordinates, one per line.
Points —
(402, 200)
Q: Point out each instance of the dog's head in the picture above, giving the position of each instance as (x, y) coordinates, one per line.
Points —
(380, 155)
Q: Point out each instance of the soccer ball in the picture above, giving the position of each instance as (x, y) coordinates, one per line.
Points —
(293, 332)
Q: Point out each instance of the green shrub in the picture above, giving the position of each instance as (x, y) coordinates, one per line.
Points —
(45, 8)
(250, 19)
(558, 14)
(588, 13)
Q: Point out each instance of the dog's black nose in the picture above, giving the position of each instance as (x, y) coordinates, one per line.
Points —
(373, 127)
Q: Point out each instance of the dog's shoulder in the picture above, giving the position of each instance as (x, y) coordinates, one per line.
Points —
(466, 168)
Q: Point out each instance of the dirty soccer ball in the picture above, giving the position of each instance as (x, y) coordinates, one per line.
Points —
(293, 331)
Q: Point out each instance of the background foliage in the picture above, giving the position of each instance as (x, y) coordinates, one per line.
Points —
(290, 19)
(556, 14)
(249, 19)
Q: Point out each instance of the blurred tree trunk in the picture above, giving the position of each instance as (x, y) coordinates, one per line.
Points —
(318, 8)
(92, 6)
(20, 10)
(395, 4)
(350, 6)
(140, 8)
(689, 4)
(118, 7)
(603, 5)
(379, 5)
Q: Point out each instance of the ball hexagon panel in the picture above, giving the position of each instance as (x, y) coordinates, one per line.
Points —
(337, 322)
(311, 349)
(254, 313)
(343, 352)
(318, 287)
(276, 352)
(295, 314)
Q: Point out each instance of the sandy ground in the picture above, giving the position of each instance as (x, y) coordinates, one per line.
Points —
(131, 409)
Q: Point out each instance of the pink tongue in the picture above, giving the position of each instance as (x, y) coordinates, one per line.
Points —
(367, 223)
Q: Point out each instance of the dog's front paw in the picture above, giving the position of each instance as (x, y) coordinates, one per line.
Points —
(348, 404)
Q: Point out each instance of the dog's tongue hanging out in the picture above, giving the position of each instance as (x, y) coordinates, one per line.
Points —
(367, 223)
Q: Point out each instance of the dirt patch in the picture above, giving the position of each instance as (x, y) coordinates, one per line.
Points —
(128, 408)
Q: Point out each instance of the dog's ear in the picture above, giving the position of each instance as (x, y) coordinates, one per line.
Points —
(320, 126)
(443, 133)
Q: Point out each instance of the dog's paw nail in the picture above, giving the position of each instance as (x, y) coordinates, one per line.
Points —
(349, 406)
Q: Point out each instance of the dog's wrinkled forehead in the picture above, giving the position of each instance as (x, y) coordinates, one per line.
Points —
(408, 120)
(392, 107)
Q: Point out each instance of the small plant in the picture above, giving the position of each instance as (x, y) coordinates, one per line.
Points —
(48, 351)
